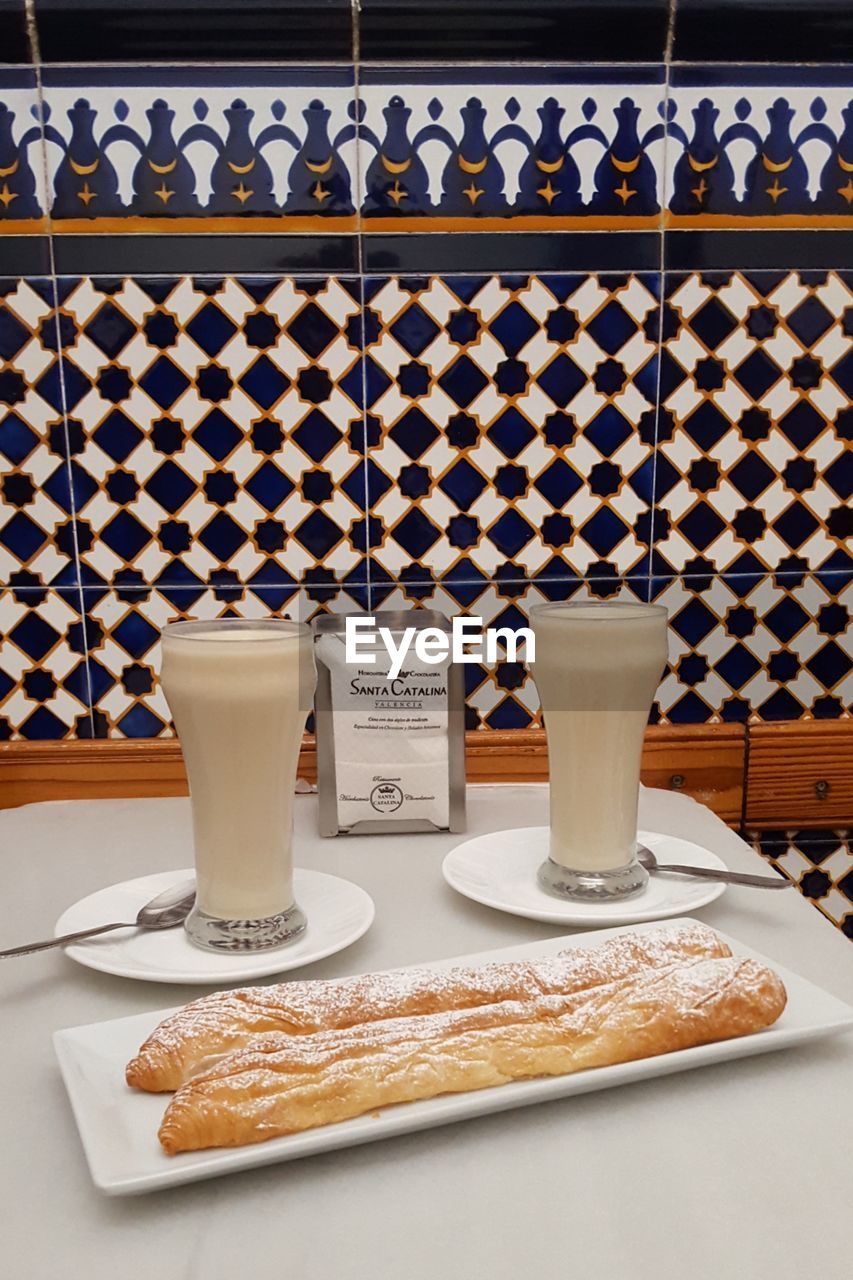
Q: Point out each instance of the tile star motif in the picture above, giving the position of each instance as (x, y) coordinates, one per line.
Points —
(727, 638)
(741, 647)
(501, 695)
(35, 500)
(820, 862)
(214, 445)
(780, 399)
(222, 397)
(124, 637)
(492, 360)
(44, 691)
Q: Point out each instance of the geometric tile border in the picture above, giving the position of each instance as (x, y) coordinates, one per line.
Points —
(422, 146)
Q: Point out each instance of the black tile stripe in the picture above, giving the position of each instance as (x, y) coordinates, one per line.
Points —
(24, 255)
(732, 250)
(437, 252)
(14, 45)
(194, 30)
(221, 254)
(494, 30)
(390, 30)
(763, 31)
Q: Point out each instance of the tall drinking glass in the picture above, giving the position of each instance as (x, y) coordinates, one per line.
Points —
(239, 692)
(596, 667)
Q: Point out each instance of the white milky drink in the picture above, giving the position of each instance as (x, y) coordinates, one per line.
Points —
(240, 693)
(597, 668)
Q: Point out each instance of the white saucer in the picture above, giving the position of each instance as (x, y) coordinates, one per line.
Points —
(499, 870)
(338, 912)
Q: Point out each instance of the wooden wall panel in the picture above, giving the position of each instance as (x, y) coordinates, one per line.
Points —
(800, 775)
(704, 761)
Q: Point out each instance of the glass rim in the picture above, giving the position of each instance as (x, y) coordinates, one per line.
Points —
(603, 608)
(213, 629)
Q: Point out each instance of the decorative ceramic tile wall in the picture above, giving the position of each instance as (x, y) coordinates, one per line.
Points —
(123, 633)
(324, 314)
(820, 863)
(215, 428)
(771, 648)
(23, 190)
(754, 469)
(472, 439)
(37, 544)
(511, 423)
(476, 144)
(750, 145)
(44, 689)
(184, 145)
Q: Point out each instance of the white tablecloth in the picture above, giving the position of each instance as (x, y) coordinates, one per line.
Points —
(739, 1170)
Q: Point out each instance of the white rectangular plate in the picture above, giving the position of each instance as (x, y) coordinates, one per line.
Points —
(119, 1125)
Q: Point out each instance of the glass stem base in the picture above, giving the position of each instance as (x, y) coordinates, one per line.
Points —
(592, 886)
(265, 934)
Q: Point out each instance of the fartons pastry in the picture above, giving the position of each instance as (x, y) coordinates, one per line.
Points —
(267, 1061)
(204, 1030)
(327, 1077)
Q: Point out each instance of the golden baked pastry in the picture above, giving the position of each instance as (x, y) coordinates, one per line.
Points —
(196, 1035)
(253, 1095)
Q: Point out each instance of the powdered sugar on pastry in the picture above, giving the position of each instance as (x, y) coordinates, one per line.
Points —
(325, 1078)
(218, 1024)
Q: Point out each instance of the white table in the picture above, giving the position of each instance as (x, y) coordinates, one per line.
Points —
(739, 1170)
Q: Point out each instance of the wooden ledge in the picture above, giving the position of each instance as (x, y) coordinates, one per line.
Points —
(761, 775)
(704, 761)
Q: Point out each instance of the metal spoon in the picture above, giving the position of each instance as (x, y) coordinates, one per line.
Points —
(650, 862)
(169, 908)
